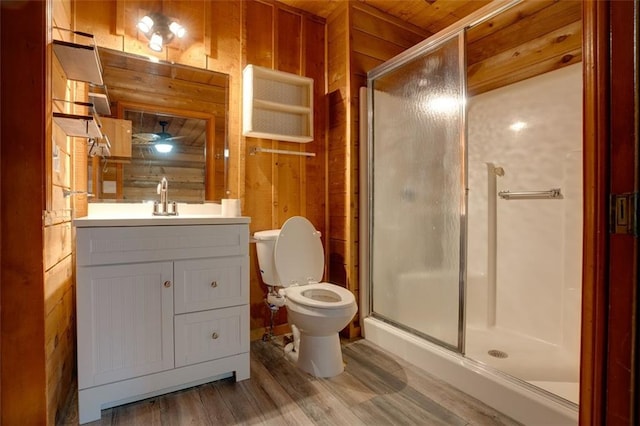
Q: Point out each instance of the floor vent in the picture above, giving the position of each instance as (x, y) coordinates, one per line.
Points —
(498, 354)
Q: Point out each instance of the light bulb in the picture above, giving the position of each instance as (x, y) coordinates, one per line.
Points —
(163, 148)
(155, 43)
(518, 125)
(145, 24)
(177, 29)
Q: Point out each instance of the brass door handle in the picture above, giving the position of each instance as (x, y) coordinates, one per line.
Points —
(214, 284)
(214, 336)
(167, 284)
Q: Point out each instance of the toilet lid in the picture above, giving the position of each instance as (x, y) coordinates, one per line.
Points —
(298, 253)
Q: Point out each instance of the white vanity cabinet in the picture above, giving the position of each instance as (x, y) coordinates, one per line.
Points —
(159, 308)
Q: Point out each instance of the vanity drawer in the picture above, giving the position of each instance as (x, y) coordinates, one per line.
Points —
(208, 335)
(210, 283)
(109, 245)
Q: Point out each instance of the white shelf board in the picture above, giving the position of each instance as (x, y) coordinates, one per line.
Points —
(83, 126)
(100, 103)
(79, 61)
(277, 105)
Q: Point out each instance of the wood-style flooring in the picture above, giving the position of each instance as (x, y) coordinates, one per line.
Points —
(375, 389)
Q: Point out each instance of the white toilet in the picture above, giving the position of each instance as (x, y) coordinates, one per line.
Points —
(293, 258)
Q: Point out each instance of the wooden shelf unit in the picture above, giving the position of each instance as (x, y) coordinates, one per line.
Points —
(277, 105)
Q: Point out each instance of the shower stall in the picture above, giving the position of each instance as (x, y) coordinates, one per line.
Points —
(474, 226)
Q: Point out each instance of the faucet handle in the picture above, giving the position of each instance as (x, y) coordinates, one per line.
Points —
(172, 208)
(159, 188)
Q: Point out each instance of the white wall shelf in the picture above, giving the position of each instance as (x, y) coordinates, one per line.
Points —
(83, 126)
(100, 102)
(79, 61)
(277, 105)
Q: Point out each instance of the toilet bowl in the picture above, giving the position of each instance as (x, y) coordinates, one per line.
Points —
(292, 259)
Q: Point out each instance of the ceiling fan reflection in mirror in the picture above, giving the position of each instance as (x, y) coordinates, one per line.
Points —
(161, 141)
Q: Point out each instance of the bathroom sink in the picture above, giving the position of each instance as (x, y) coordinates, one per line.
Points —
(140, 214)
(94, 221)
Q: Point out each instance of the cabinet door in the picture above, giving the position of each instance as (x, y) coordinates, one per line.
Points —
(203, 336)
(211, 283)
(125, 321)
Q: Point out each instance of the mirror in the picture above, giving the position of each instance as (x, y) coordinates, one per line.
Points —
(168, 105)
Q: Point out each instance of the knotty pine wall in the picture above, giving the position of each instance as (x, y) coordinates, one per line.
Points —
(278, 187)
(359, 39)
(66, 170)
(532, 38)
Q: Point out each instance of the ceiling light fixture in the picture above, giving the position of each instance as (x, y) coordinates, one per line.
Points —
(518, 126)
(163, 147)
(160, 30)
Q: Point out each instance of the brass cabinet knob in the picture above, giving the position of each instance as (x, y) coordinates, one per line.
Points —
(167, 284)
(214, 284)
(214, 336)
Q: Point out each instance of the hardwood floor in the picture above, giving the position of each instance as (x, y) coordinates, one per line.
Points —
(375, 389)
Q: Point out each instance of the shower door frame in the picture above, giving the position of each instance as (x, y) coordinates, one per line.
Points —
(458, 29)
(381, 71)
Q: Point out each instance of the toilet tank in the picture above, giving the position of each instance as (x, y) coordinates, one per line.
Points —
(265, 243)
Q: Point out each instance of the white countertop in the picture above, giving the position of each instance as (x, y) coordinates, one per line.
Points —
(93, 221)
(140, 214)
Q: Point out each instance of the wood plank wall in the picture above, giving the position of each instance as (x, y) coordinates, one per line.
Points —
(67, 169)
(277, 186)
(359, 38)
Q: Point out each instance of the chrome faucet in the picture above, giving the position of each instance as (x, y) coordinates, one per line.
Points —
(164, 207)
(163, 189)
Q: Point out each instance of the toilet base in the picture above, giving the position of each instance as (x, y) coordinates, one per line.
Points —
(320, 356)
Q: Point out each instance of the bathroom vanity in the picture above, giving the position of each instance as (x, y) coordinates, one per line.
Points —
(162, 304)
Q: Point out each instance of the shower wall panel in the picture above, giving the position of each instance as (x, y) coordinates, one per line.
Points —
(533, 130)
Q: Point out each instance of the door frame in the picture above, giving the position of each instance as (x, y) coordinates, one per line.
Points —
(608, 382)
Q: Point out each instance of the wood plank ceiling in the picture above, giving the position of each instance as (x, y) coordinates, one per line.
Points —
(431, 15)
(531, 38)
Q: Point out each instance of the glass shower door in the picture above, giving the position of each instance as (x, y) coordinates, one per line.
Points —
(418, 197)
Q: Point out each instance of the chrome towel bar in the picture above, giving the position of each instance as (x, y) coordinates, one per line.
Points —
(554, 193)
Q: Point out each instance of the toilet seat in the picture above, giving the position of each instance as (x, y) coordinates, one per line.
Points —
(321, 295)
(298, 253)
